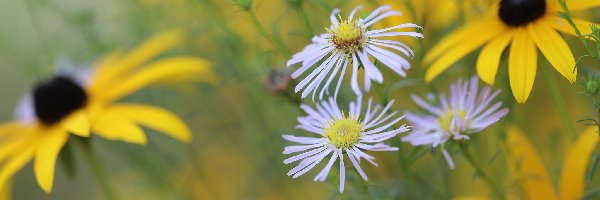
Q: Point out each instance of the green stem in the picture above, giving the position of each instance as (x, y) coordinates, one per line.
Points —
(559, 102)
(309, 32)
(597, 110)
(261, 29)
(365, 185)
(37, 32)
(479, 171)
(567, 16)
(98, 170)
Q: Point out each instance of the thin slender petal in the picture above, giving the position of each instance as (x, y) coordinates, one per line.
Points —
(489, 57)
(575, 5)
(555, 49)
(472, 39)
(46, 154)
(522, 65)
(562, 25)
(572, 179)
(155, 118)
(77, 123)
(18, 161)
(461, 35)
(525, 163)
(114, 126)
(148, 50)
(161, 70)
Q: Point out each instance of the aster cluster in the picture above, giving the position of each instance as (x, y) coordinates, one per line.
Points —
(350, 42)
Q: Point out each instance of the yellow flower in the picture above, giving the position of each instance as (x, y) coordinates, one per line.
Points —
(527, 25)
(435, 14)
(63, 105)
(526, 165)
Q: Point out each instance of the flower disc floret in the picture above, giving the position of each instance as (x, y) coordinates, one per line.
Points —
(348, 36)
(343, 133)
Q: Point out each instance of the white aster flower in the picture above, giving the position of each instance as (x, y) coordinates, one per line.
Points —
(351, 42)
(465, 112)
(340, 134)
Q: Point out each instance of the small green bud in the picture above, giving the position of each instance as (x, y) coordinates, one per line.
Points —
(294, 3)
(592, 84)
(592, 87)
(244, 4)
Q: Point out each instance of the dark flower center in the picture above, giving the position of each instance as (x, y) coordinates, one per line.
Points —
(56, 98)
(521, 12)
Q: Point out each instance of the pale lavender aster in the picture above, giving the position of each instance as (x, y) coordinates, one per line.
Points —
(350, 42)
(465, 112)
(340, 134)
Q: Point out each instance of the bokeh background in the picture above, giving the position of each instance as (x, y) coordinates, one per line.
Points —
(238, 123)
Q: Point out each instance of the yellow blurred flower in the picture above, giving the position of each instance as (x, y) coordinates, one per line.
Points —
(6, 192)
(528, 169)
(63, 105)
(528, 26)
(436, 14)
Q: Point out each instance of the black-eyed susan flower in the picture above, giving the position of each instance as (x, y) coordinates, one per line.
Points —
(338, 134)
(466, 111)
(80, 105)
(528, 169)
(349, 41)
(528, 25)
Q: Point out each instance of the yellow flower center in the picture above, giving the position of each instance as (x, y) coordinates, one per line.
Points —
(344, 132)
(446, 119)
(347, 36)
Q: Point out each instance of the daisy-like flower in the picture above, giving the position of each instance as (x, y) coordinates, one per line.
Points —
(64, 105)
(340, 134)
(464, 112)
(348, 42)
(527, 25)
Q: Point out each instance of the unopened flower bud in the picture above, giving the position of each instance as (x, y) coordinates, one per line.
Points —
(277, 82)
(244, 4)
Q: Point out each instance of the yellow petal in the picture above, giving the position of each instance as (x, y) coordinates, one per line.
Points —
(459, 36)
(563, 26)
(527, 167)
(468, 43)
(574, 5)
(555, 49)
(155, 118)
(77, 123)
(16, 162)
(114, 126)
(101, 74)
(162, 70)
(9, 129)
(6, 191)
(489, 57)
(138, 56)
(25, 137)
(522, 65)
(46, 154)
(575, 164)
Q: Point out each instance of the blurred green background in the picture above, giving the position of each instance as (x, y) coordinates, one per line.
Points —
(238, 123)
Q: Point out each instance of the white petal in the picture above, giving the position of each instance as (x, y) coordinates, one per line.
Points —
(406, 25)
(382, 16)
(356, 165)
(323, 174)
(304, 155)
(302, 140)
(448, 158)
(334, 20)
